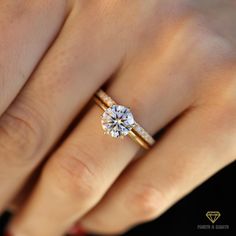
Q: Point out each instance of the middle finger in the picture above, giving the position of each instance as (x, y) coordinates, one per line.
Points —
(40, 114)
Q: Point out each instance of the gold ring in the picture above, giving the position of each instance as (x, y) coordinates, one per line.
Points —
(118, 121)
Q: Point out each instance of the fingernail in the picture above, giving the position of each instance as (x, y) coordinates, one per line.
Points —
(76, 230)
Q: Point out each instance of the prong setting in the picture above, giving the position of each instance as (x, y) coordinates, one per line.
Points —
(117, 121)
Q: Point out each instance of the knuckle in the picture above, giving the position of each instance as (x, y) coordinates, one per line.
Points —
(146, 203)
(206, 42)
(76, 177)
(22, 132)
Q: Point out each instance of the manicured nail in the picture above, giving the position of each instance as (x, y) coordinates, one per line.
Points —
(76, 230)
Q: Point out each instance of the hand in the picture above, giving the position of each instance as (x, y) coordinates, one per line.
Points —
(173, 64)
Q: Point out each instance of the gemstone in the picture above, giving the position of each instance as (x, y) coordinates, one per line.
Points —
(117, 121)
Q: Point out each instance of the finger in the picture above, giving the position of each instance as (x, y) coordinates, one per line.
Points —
(77, 180)
(199, 144)
(63, 83)
(85, 166)
(24, 39)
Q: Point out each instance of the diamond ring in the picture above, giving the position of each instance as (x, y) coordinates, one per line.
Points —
(118, 121)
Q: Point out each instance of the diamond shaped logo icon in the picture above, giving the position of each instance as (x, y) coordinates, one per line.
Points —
(213, 216)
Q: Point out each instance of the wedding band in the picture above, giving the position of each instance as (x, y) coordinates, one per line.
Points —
(118, 121)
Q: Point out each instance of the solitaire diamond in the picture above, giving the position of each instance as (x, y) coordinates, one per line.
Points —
(117, 121)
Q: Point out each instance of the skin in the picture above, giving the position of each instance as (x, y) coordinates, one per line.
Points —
(177, 60)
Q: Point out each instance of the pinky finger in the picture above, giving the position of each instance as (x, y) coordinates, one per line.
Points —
(197, 146)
